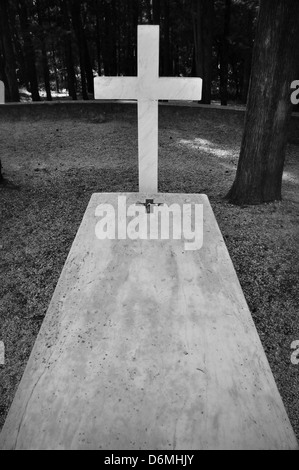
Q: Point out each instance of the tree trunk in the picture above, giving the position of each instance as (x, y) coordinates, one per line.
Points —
(46, 71)
(8, 54)
(260, 169)
(3, 77)
(166, 48)
(99, 15)
(130, 65)
(87, 65)
(55, 68)
(114, 43)
(156, 12)
(20, 58)
(44, 52)
(28, 51)
(149, 11)
(71, 76)
(77, 25)
(109, 46)
(224, 51)
(135, 17)
(203, 26)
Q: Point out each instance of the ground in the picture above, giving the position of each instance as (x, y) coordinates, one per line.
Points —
(54, 168)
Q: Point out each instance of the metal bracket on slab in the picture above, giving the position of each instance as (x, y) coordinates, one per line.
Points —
(148, 204)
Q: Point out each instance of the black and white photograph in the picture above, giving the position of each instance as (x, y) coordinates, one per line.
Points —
(149, 227)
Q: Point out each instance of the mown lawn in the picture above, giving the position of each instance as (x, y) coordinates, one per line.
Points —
(53, 169)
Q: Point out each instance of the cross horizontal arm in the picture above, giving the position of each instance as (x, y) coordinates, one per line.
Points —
(177, 89)
(132, 88)
(115, 88)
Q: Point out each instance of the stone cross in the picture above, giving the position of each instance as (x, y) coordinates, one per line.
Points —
(148, 88)
(2, 93)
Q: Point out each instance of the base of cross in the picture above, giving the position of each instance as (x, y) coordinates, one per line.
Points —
(148, 342)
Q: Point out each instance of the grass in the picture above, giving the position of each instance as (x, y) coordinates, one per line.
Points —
(55, 167)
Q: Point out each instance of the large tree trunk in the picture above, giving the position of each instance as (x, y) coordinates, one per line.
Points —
(224, 55)
(29, 50)
(9, 65)
(203, 27)
(260, 169)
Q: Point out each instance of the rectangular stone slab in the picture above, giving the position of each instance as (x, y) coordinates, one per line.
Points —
(147, 345)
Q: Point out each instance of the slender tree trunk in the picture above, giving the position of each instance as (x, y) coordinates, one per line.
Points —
(149, 11)
(71, 76)
(2, 69)
(77, 25)
(99, 14)
(275, 58)
(109, 46)
(55, 69)
(88, 66)
(20, 58)
(224, 55)
(166, 49)
(203, 28)
(113, 42)
(29, 50)
(176, 63)
(44, 52)
(156, 11)
(135, 16)
(12, 89)
(106, 39)
(46, 72)
(3, 77)
(130, 47)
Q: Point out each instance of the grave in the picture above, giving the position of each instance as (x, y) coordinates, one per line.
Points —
(148, 342)
(2, 93)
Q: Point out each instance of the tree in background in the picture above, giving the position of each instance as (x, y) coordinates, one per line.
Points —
(203, 27)
(275, 62)
(60, 44)
(68, 51)
(29, 50)
(224, 54)
(43, 48)
(7, 55)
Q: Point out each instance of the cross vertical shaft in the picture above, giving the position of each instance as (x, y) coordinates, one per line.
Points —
(148, 146)
(148, 72)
